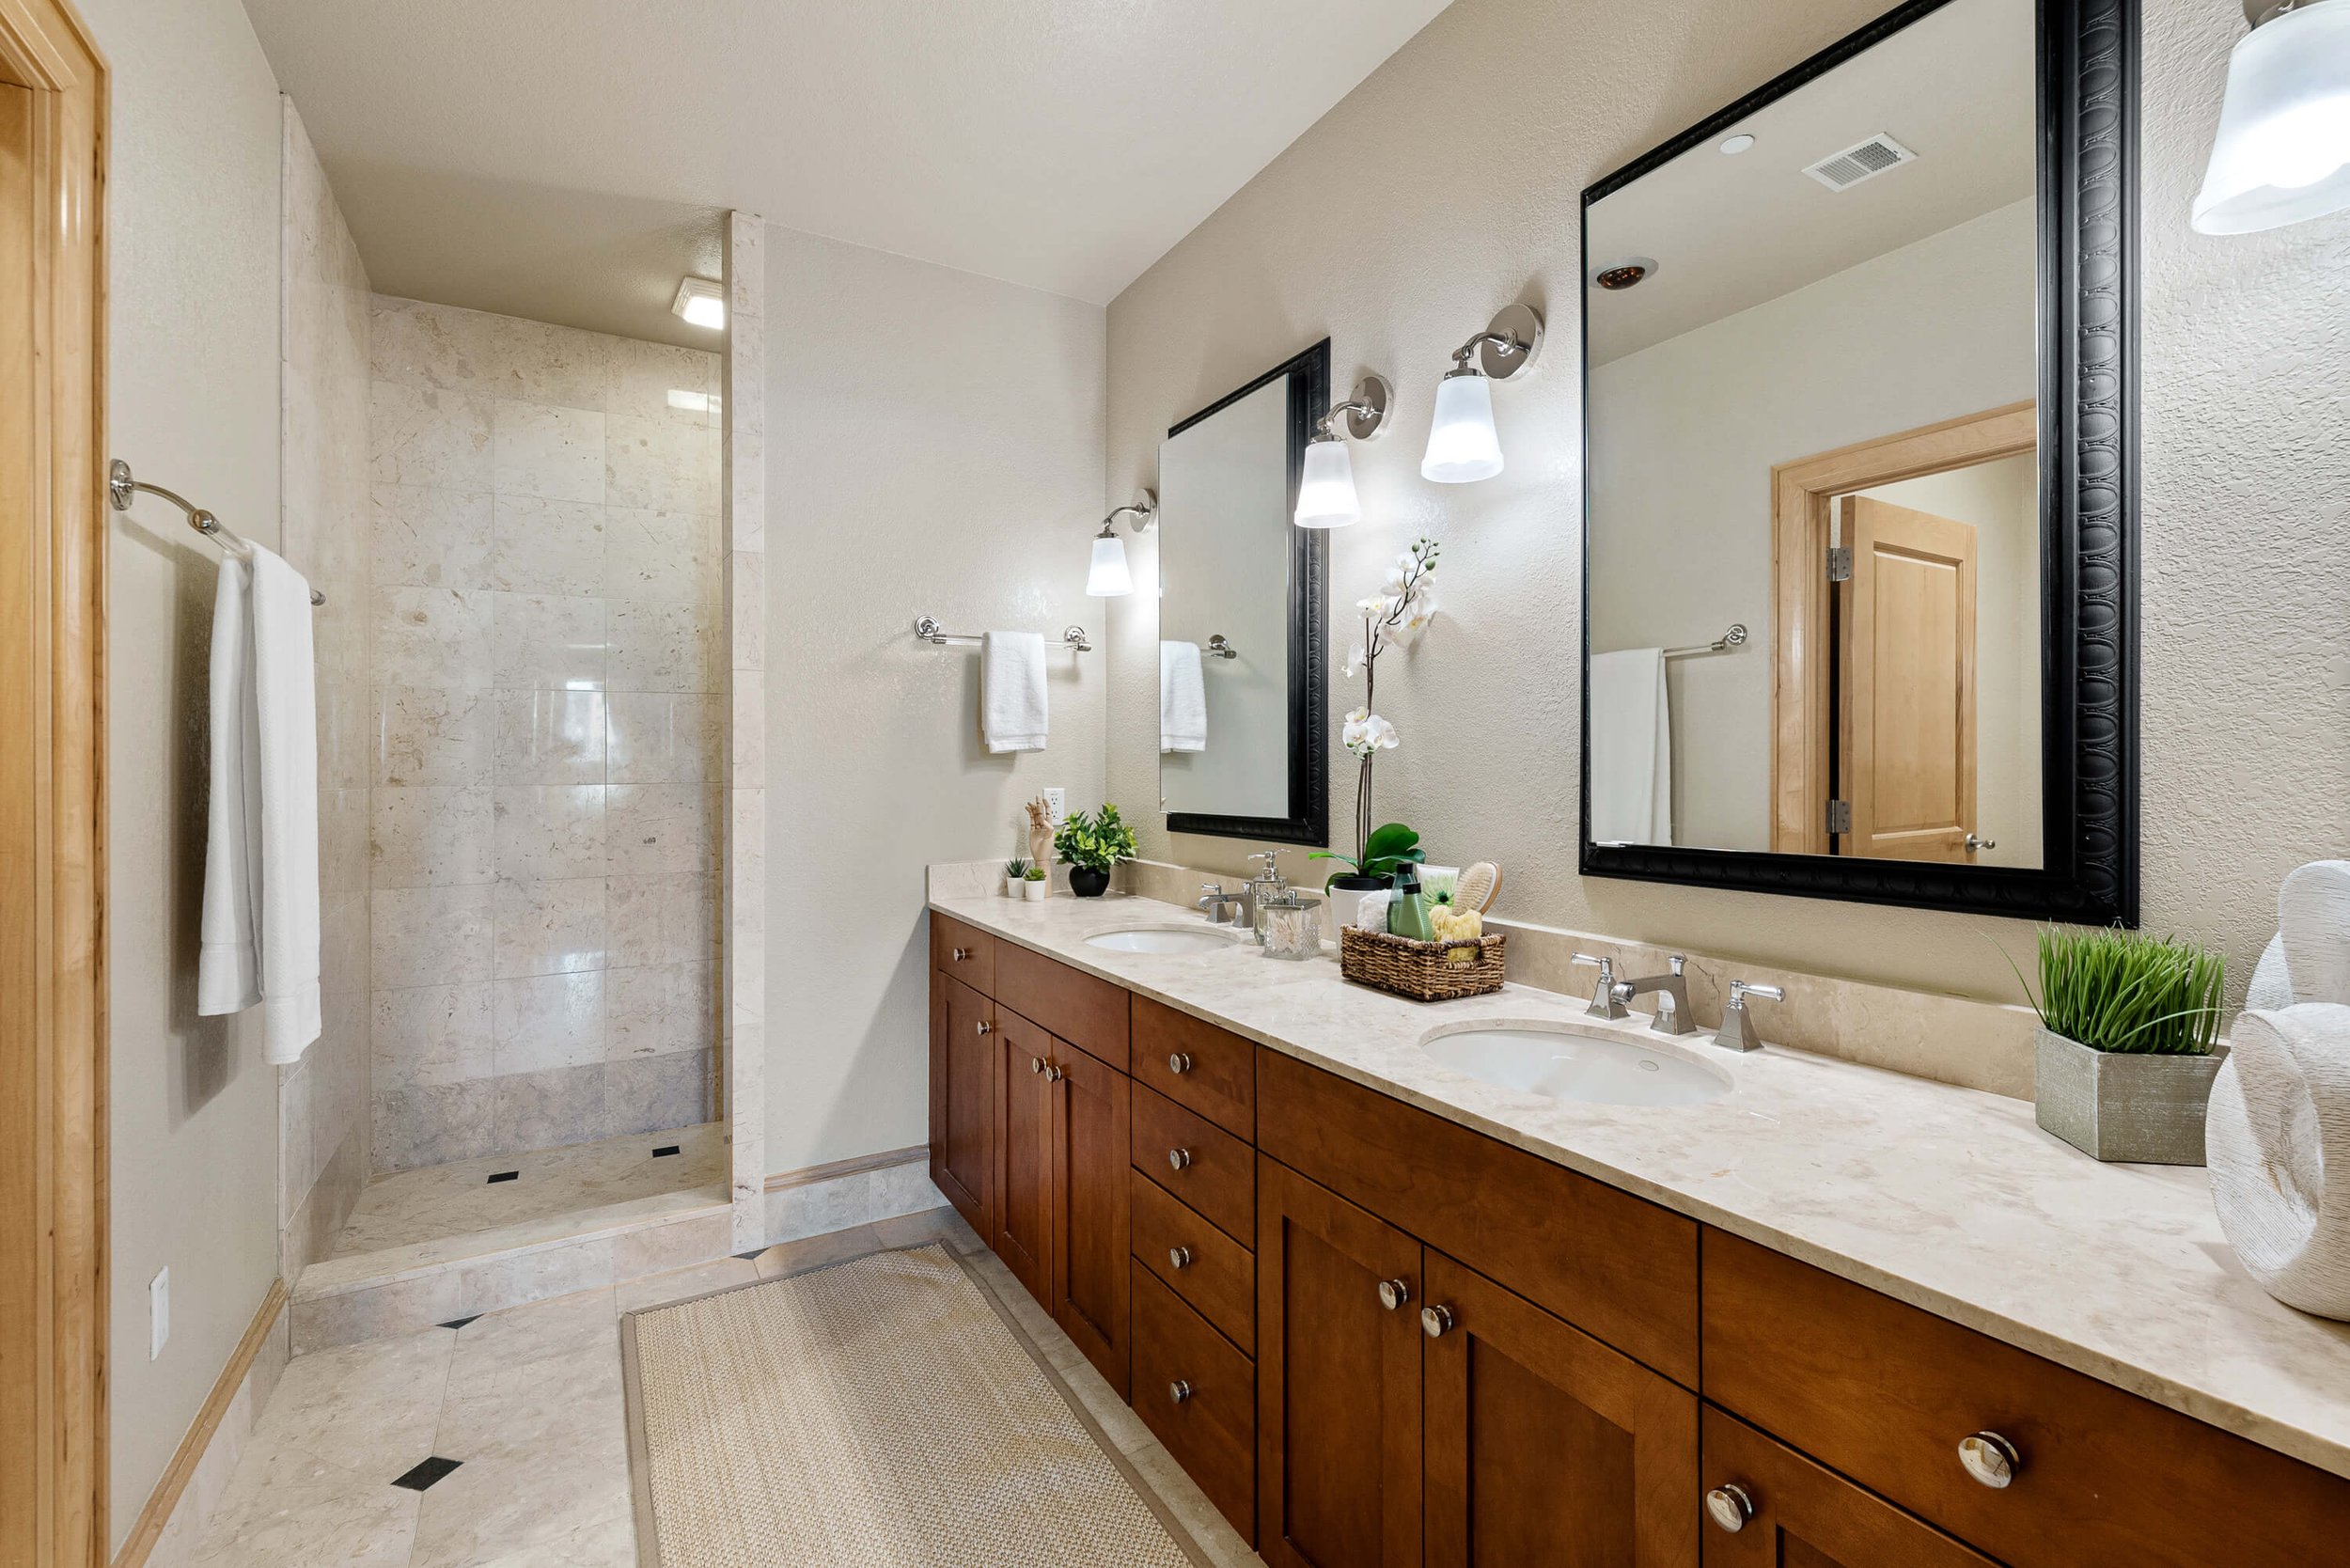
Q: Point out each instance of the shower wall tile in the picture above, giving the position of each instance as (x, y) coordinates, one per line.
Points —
(673, 1090)
(426, 537)
(551, 737)
(427, 735)
(544, 508)
(542, 450)
(431, 637)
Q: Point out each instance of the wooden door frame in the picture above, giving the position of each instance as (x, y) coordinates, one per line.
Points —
(53, 814)
(1802, 719)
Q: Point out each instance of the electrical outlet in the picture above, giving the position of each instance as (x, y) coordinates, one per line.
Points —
(158, 1312)
(1057, 801)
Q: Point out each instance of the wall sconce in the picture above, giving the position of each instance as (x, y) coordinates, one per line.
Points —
(2283, 149)
(1462, 445)
(1109, 578)
(1326, 485)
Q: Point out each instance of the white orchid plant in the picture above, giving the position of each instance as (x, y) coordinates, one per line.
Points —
(1394, 617)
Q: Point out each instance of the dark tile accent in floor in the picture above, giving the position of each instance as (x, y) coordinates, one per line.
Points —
(422, 1478)
(664, 1150)
(752, 1256)
(506, 1176)
(459, 1322)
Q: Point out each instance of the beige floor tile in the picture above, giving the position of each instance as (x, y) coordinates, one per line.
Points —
(678, 1284)
(369, 1408)
(551, 1327)
(290, 1509)
(509, 1501)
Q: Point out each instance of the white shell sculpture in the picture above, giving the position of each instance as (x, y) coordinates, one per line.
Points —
(2280, 1114)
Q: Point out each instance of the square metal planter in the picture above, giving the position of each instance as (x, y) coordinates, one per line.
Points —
(2117, 1105)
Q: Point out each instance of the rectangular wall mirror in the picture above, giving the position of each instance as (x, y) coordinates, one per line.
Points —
(1859, 508)
(1242, 667)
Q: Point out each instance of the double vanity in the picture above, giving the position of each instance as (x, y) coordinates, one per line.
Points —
(1497, 1281)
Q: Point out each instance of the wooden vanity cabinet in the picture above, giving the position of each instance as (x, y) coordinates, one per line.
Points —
(1090, 1105)
(964, 1108)
(1792, 1514)
(1024, 1153)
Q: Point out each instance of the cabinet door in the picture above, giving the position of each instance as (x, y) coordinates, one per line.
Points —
(1023, 1155)
(962, 1100)
(1090, 1210)
(1546, 1449)
(1338, 1381)
(1790, 1514)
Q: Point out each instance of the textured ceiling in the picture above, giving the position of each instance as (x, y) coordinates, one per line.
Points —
(567, 159)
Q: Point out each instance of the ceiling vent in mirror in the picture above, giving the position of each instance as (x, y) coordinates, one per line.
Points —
(1841, 171)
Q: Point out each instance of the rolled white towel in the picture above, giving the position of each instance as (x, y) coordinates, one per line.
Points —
(1371, 913)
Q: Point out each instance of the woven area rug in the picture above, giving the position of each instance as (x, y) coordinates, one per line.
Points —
(882, 1413)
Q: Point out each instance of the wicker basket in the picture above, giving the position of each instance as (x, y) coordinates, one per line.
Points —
(1420, 971)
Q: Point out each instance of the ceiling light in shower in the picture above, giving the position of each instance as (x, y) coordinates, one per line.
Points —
(1737, 143)
(702, 302)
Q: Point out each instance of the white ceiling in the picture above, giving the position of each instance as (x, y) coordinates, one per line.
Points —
(567, 159)
(1727, 233)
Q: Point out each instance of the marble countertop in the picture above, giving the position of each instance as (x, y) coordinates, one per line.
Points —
(1947, 1198)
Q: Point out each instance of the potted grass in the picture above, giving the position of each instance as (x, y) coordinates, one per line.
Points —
(2129, 1043)
(1093, 846)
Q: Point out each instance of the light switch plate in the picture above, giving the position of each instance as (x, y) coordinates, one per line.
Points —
(1057, 801)
(158, 1312)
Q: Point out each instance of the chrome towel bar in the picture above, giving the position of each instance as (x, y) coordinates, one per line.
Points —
(121, 487)
(928, 630)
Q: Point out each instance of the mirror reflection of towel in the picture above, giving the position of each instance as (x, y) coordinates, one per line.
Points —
(1632, 748)
(1182, 700)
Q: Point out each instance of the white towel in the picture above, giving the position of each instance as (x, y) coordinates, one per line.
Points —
(1182, 700)
(260, 913)
(1011, 691)
(1632, 748)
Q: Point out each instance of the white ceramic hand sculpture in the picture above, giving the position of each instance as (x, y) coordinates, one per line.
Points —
(2280, 1114)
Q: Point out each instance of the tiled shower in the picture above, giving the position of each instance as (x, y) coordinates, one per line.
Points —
(546, 643)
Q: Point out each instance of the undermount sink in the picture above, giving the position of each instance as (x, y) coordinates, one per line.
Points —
(1160, 940)
(1566, 1065)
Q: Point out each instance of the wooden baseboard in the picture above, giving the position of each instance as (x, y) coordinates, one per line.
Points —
(855, 1166)
(157, 1513)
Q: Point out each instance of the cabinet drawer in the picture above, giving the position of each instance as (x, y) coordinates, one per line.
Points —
(1207, 1268)
(1195, 1064)
(1198, 1395)
(1802, 1513)
(1618, 1267)
(966, 954)
(1885, 1392)
(1197, 1161)
(1086, 1012)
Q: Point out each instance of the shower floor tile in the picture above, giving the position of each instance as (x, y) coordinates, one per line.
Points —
(611, 1178)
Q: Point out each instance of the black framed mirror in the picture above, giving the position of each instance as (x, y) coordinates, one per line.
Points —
(1859, 588)
(1244, 665)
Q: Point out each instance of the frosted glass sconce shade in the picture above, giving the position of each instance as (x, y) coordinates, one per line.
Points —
(1461, 446)
(2283, 149)
(1109, 578)
(1325, 489)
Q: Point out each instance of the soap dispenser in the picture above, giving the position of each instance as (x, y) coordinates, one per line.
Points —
(1261, 887)
(1407, 914)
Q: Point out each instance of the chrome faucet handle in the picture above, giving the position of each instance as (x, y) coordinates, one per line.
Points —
(1737, 1030)
(1606, 1000)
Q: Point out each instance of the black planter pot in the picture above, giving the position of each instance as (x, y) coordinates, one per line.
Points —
(1088, 884)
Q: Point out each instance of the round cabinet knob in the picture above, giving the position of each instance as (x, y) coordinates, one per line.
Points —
(1036, 1064)
(1178, 1061)
(1393, 1294)
(1990, 1458)
(1434, 1320)
(1729, 1505)
(1054, 1071)
(1178, 1257)
(1179, 1391)
(962, 953)
(986, 1028)
(1177, 1158)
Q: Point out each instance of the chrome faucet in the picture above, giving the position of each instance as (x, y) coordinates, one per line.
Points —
(1222, 908)
(1605, 1002)
(1672, 998)
(1737, 1030)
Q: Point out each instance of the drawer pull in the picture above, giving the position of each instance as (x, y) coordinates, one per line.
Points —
(1179, 1391)
(1036, 1064)
(986, 1028)
(962, 953)
(1990, 1458)
(1393, 1294)
(1178, 1061)
(1435, 1321)
(1729, 1505)
(1178, 1257)
(1177, 1158)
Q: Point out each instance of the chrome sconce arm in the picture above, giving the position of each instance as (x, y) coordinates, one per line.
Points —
(1325, 480)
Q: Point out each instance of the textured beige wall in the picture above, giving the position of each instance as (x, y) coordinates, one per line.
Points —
(1447, 185)
(191, 389)
(935, 447)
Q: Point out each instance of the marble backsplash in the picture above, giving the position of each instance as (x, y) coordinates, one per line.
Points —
(1952, 1039)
